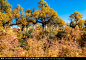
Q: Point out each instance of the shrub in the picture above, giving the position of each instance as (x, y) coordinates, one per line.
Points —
(60, 34)
(73, 34)
(23, 44)
(28, 33)
(82, 39)
(72, 24)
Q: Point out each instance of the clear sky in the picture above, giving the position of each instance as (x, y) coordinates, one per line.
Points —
(64, 8)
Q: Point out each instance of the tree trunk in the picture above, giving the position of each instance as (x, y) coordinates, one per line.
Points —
(43, 25)
(22, 28)
(3, 25)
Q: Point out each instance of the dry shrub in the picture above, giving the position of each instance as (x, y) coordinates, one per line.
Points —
(11, 46)
(39, 34)
(43, 47)
(62, 48)
(82, 39)
(51, 48)
(9, 31)
(36, 48)
(84, 51)
(73, 34)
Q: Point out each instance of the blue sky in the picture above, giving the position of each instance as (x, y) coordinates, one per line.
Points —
(63, 7)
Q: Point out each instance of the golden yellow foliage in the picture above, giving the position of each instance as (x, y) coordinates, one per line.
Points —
(32, 20)
(76, 12)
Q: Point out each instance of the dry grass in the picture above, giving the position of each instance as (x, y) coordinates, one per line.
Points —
(10, 46)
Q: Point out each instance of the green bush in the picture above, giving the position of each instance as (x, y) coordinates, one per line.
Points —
(60, 34)
(72, 24)
(28, 33)
(23, 44)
